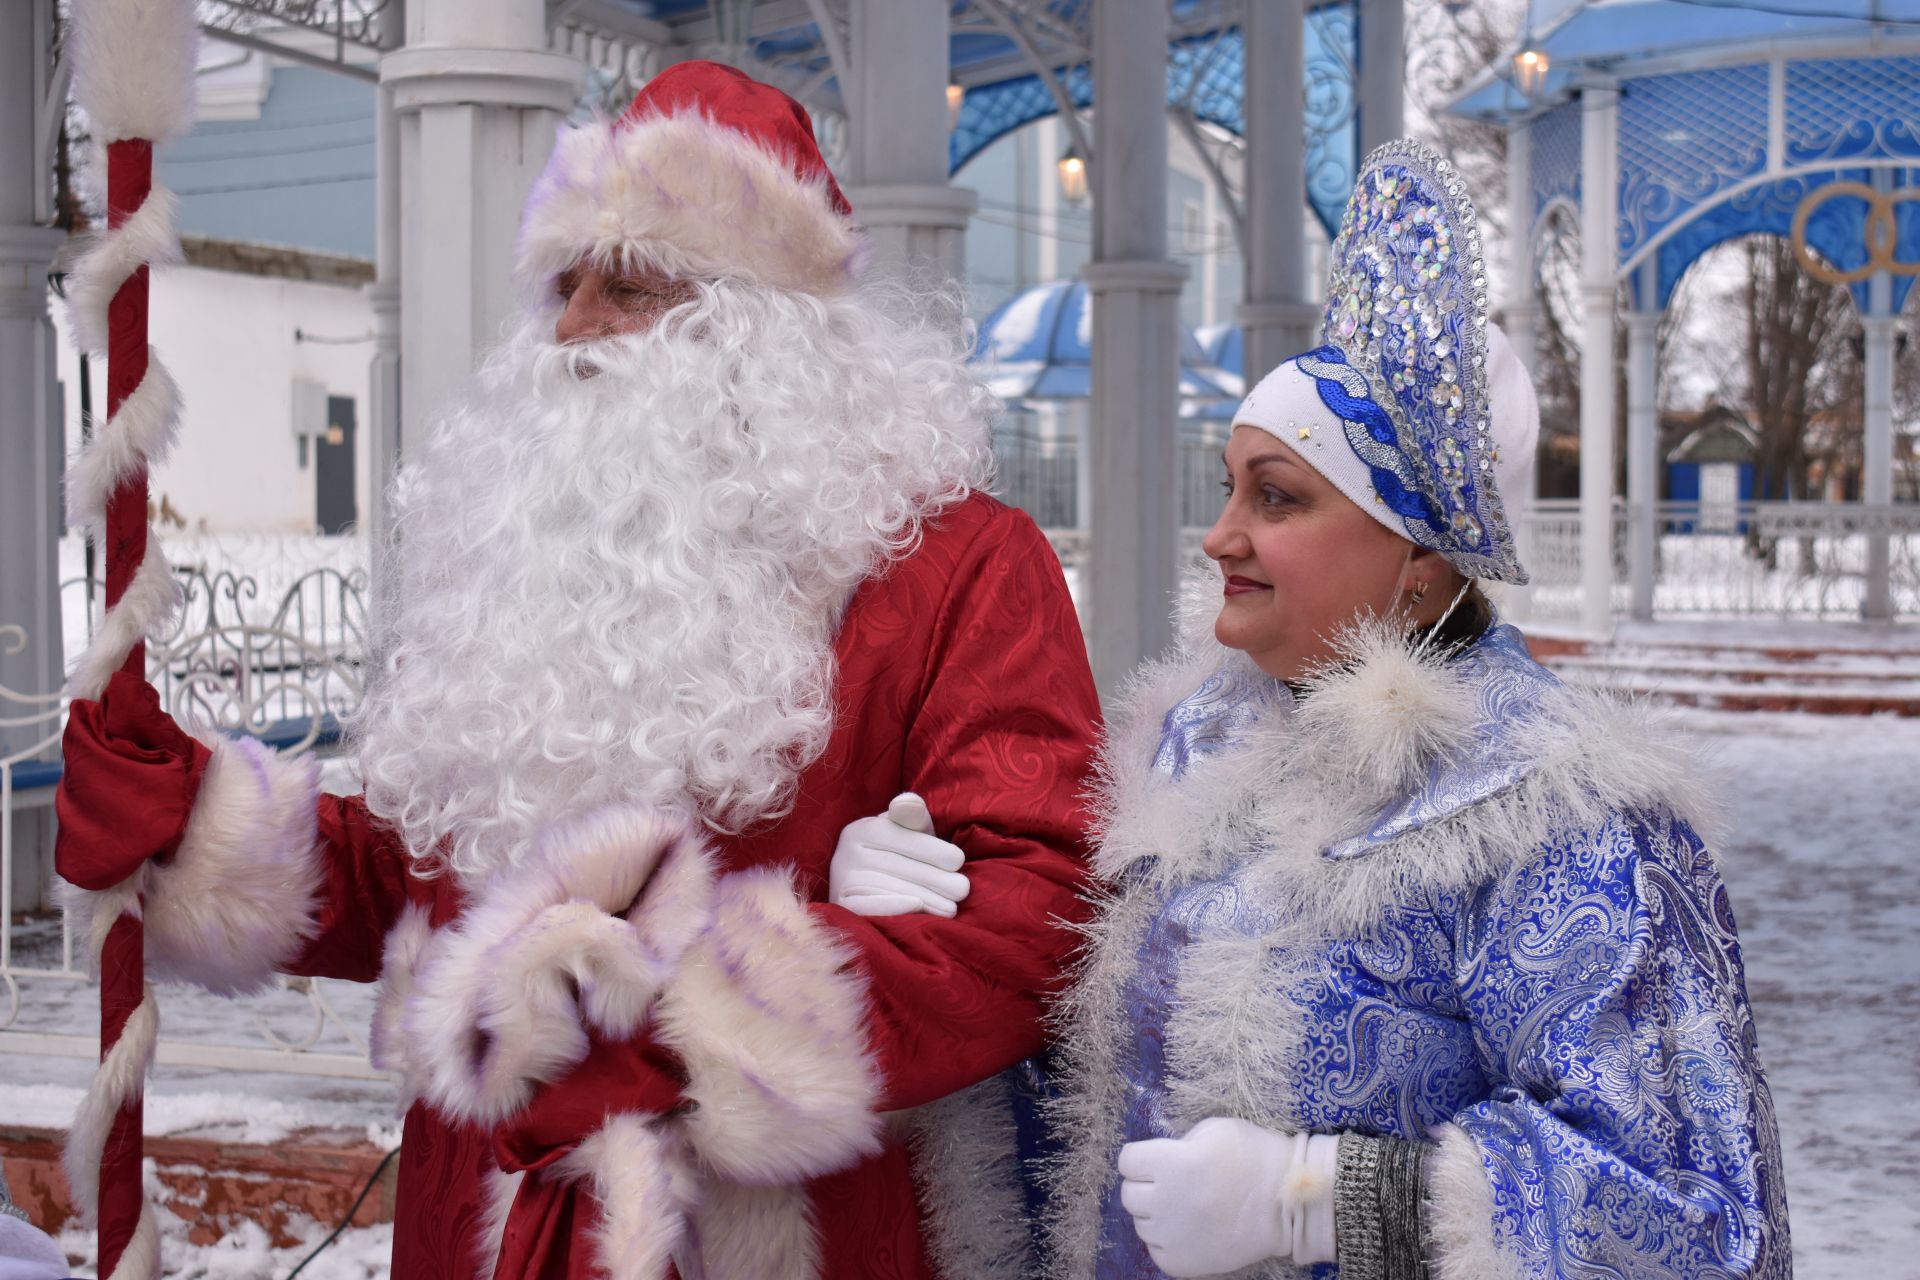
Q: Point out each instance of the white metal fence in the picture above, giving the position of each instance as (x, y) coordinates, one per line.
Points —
(271, 641)
(1786, 560)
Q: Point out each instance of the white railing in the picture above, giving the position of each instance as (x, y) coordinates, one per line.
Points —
(278, 654)
(1789, 560)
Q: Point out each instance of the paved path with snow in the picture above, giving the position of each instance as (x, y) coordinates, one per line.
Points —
(1823, 862)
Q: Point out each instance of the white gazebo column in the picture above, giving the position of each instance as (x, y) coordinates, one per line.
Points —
(479, 98)
(1278, 318)
(1876, 487)
(1643, 457)
(383, 295)
(897, 164)
(1517, 307)
(1517, 319)
(1383, 72)
(1133, 462)
(1599, 184)
(30, 421)
(30, 434)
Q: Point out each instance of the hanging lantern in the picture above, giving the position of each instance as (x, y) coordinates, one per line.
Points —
(1530, 69)
(1073, 176)
(956, 96)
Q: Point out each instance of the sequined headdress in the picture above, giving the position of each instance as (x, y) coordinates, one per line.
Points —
(1401, 375)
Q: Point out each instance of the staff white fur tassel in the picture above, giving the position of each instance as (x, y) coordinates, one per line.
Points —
(134, 66)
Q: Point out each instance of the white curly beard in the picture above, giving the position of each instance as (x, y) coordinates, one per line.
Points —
(624, 587)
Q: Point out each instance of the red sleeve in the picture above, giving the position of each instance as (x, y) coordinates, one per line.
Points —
(363, 888)
(1000, 748)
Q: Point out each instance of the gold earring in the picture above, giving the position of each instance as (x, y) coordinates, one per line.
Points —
(1419, 593)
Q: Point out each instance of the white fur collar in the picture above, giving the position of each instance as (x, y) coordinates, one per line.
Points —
(1453, 763)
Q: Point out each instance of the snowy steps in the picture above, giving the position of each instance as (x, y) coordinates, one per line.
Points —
(1845, 679)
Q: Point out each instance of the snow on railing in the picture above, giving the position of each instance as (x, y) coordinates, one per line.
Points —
(283, 661)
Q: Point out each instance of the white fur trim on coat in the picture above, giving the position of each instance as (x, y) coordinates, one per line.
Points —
(499, 1189)
(769, 1016)
(502, 999)
(645, 1189)
(966, 1166)
(689, 197)
(237, 899)
(133, 66)
(1459, 1213)
(756, 1233)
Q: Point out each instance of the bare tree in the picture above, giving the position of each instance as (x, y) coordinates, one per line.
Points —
(1796, 359)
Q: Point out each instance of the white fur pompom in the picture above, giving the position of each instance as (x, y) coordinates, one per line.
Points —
(1390, 707)
(133, 67)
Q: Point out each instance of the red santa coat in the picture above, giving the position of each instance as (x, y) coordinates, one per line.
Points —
(961, 676)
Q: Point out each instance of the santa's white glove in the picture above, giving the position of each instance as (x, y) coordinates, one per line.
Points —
(1231, 1194)
(893, 864)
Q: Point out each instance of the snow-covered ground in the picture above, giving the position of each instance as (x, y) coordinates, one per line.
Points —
(1824, 868)
(1823, 863)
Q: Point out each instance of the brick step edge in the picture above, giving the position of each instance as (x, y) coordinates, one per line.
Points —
(218, 1185)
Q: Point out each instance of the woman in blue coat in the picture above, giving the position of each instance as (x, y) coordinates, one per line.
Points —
(1412, 961)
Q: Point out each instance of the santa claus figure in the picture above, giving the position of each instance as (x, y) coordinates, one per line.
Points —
(684, 597)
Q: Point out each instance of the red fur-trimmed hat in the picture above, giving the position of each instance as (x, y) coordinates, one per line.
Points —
(709, 173)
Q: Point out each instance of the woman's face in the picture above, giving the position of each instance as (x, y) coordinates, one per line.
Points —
(1299, 559)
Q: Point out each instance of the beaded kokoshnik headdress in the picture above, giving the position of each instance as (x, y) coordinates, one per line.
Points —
(1401, 374)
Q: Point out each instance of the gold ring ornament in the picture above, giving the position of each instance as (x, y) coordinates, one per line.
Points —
(1881, 236)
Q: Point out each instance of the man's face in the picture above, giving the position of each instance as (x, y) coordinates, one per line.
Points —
(598, 303)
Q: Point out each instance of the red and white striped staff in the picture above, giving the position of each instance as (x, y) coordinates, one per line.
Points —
(133, 66)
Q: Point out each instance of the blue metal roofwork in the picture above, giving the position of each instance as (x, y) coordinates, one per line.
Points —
(1038, 345)
(1003, 92)
(1213, 69)
(1613, 35)
(1733, 119)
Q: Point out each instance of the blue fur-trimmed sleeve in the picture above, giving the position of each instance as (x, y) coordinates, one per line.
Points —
(1630, 1131)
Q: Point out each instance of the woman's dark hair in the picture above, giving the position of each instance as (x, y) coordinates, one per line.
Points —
(1467, 623)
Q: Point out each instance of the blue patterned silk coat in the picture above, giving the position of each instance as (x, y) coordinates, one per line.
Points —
(1446, 900)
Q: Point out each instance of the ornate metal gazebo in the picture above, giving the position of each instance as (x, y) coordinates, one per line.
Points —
(1710, 122)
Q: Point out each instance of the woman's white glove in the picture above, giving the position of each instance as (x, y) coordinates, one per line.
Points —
(893, 864)
(1231, 1194)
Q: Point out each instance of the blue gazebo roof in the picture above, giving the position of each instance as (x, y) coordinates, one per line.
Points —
(1038, 345)
(1615, 35)
(1205, 68)
(1732, 120)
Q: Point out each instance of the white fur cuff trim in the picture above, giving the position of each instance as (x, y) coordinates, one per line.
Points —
(769, 1016)
(1460, 1213)
(503, 999)
(400, 956)
(690, 197)
(237, 900)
